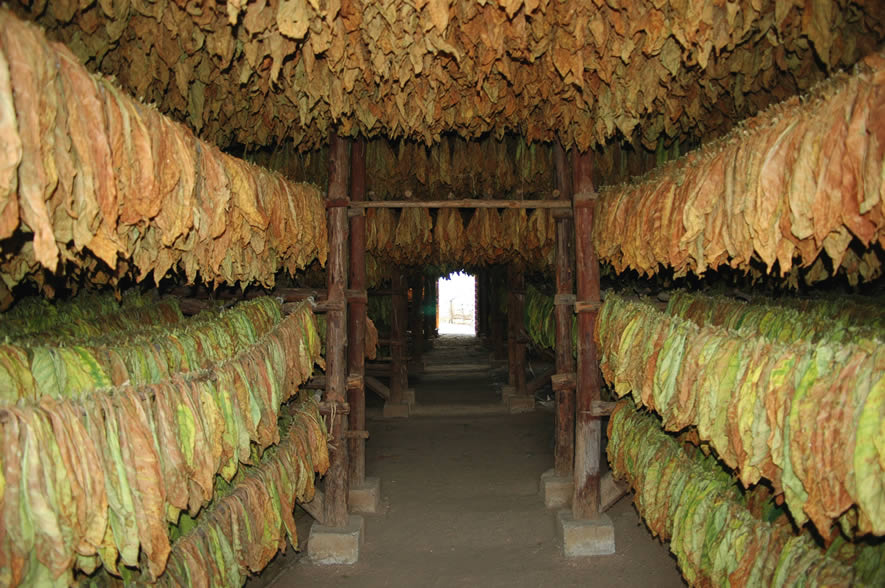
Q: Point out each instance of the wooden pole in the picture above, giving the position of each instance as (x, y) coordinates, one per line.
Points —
(498, 318)
(588, 431)
(429, 310)
(564, 446)
(481, 304)
(335, 505)
(515, 321)
(399, 379)
(417, 320)
(465, 203)
(356, 319)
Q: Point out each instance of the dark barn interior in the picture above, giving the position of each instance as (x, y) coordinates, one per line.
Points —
(223, 227)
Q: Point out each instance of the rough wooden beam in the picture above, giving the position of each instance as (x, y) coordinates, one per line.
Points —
(515, 322)
(588, 429)
(464, 203)
(399, 379)
(564, 441)
(376, 386)
(336, 486)
(356, 319)
(316, 507)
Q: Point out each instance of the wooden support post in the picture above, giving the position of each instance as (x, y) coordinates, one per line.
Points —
(416, 319)
(497, 318)
(429, 310)
(482, 329)
(335, 504)
(515, 322)
(399, 378)
(356, 319)
(563, 315)
(588, 430)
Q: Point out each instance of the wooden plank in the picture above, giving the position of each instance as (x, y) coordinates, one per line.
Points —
(610, 491)
(463, 203)
(336, 487)
(588, 428)
(564, 440)
(376, 386)
(316, 507)
(538, 381)
(601, 408)
(588, 306)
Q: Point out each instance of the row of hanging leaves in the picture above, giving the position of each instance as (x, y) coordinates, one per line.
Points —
(802, 178)
(804, 414)
(243, 529)
(65, 366)
(255, 72)
(412, 237)
(95, 183)
(692, 502)
(93, 480)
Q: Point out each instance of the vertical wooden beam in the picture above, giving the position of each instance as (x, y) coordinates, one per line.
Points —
(335, 504)
(515, 322)
(356, 319)
(497, 318)
(399, 378)
(563, 315)
(588, 431)
(482, 306)
(417, 320)
(429, 309)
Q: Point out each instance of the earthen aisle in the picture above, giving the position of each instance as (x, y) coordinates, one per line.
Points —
(462, 509)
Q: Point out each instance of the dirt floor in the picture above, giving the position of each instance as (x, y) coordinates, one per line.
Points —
(461, 505)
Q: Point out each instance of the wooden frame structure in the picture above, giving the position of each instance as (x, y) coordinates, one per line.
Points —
(578, 404)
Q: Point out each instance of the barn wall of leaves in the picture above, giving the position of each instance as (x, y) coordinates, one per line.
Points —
(738, 148)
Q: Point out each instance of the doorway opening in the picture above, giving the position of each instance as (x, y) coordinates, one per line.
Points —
(456, 306)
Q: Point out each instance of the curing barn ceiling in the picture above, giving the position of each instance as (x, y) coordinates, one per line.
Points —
(259, 72)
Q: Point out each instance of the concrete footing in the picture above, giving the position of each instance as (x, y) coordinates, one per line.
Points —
(336, 545)
(556, 490)
(585, 538)
(365, 498)
(400, 410)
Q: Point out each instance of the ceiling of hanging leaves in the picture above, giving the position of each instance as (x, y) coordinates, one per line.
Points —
(258, 72)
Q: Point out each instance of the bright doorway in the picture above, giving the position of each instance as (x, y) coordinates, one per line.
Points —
(457, 304)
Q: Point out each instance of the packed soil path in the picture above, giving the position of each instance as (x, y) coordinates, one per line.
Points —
(461, 508)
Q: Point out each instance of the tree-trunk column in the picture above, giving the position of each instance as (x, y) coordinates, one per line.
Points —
(563, 315)
(356, 323)
(588, 431)
(515, 321)
(336, 487)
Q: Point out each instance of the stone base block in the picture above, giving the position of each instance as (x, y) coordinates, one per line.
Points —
(557, 490)
(585, 538)
(365, 498)
(518, 404)
(396, 411)
(409, 396)
(334, 545)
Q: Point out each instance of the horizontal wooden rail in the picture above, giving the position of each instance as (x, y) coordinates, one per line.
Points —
(465, 203)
